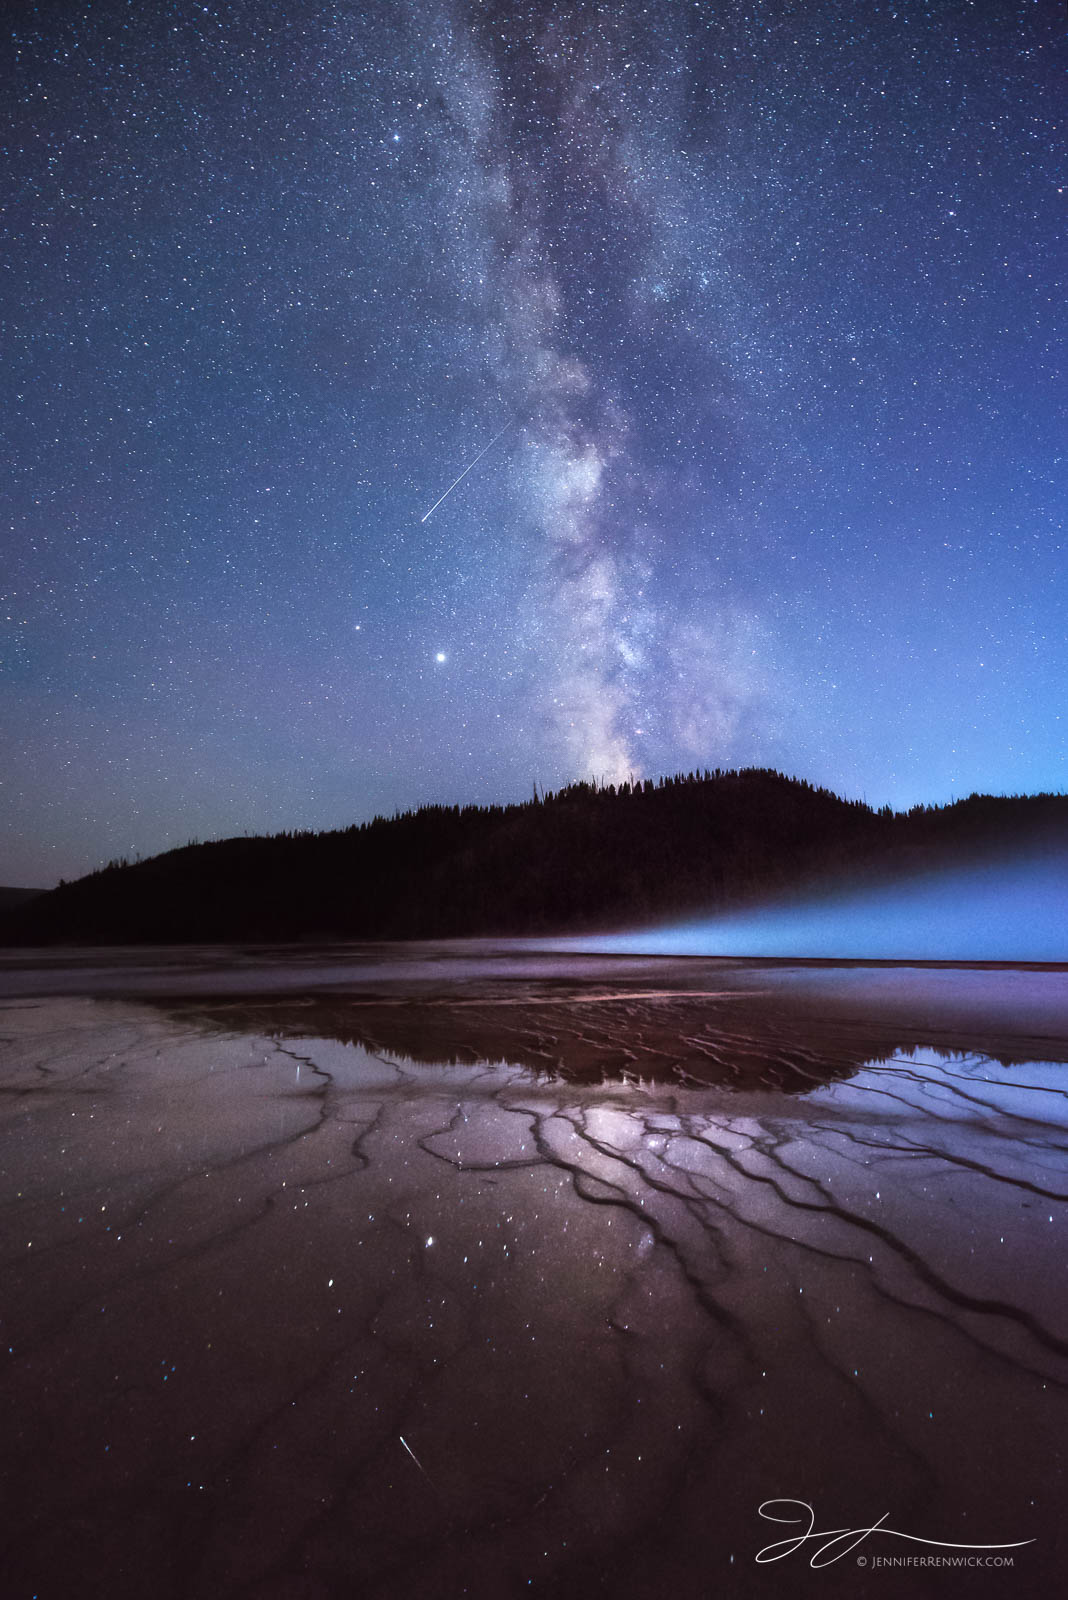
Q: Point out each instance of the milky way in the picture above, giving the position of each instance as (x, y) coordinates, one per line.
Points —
(756, 309)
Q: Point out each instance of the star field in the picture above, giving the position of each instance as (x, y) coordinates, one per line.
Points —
(753, 311)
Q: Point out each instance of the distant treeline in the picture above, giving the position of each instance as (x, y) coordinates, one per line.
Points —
(591, 856)
(17, 897)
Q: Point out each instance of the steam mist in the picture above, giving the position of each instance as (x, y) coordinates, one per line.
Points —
(1008, 911)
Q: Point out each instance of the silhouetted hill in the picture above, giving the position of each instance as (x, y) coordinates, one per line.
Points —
(10, 898)
(586, 857)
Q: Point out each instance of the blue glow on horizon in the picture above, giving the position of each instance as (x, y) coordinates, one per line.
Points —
(1006, 912)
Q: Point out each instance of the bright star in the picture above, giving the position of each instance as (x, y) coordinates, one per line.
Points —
(440, 656)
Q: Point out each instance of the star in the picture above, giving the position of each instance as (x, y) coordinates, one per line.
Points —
(599, 336)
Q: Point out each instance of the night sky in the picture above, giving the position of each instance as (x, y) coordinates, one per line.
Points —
(753, 309)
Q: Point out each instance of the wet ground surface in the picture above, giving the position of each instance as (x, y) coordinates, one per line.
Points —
(475, 1272)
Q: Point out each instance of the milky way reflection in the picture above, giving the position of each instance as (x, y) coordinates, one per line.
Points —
(529, 1284)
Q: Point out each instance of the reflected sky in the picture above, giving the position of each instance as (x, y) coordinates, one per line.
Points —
(444, 1276)
(770, 1038)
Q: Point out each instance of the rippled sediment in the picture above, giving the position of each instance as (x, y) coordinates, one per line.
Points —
(293, 1309)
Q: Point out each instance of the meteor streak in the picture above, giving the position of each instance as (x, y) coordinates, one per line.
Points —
(466, 470)
(400, 1436)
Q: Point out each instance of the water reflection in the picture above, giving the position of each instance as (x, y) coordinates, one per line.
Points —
(503, 1283)
(790, 1041)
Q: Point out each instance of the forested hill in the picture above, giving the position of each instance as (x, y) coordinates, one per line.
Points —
(9, 898)
(587, 857)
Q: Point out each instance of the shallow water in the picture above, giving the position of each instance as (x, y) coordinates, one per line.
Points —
(452, 1271)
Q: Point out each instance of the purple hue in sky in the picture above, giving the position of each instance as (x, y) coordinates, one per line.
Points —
(764, 299)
